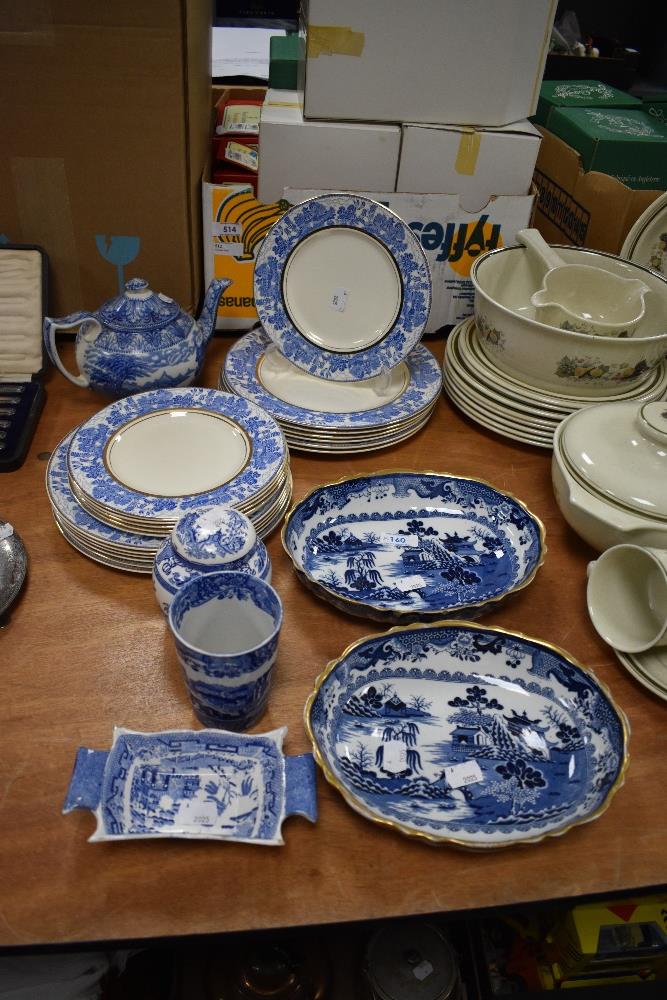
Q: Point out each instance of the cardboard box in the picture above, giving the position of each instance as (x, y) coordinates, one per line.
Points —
(579, 94)
(103, 142)
(656, 106)
(584, 209)
(452, 239)
(337, 155)
(439, 61)
(234, 224)
(628, 145)
(474, 163)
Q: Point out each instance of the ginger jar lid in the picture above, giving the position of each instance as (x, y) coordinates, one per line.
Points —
(215, 536)
(618, 450)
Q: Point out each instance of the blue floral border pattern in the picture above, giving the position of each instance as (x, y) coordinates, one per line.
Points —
(87, 468)
(62, 498)
(371, 217)
(152, 779)
(240, 373)
(550, 746)
(327, 538)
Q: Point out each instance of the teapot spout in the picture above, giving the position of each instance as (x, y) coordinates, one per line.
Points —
(206, 320)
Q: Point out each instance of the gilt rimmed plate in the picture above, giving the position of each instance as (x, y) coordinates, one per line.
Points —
(74, 517)
(357, 445)
(476, 737)
(156, 455)
(646, 243)
(205, 784)
(254, 369)
(343, 287)
(405, 545)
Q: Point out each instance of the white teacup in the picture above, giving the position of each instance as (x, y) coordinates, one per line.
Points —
(627, 597)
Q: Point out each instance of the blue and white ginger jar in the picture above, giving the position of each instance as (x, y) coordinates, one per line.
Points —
(211, 540)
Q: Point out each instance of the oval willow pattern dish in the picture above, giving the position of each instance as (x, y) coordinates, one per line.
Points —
(90, 472)
(387, 233)
(405, 545)
(471, 736)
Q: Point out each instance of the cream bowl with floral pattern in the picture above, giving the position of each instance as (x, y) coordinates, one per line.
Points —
(548, 357)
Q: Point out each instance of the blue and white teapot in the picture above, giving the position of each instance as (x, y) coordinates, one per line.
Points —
(138, 340)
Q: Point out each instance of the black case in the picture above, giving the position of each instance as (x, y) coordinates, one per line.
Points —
(22, 394)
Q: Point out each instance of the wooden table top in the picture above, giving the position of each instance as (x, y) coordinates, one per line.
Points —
(86, 647)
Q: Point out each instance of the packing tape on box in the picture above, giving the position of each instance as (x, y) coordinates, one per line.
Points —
(324, 40)
(467, 153)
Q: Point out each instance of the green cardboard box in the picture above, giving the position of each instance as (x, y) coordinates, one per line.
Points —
(627, 144)
(579, 94)
(656, 105)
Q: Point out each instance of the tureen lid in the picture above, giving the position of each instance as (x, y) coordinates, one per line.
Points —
(619, 450)
(138, 308)
(215, 536)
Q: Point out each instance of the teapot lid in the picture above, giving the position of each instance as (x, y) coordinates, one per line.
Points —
(138, 308)
(619, 451)
(215, 536)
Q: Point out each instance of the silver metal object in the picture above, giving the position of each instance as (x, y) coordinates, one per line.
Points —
(13, 565)
(412, 961)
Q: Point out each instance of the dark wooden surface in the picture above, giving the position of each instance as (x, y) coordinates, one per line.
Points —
(86, 647)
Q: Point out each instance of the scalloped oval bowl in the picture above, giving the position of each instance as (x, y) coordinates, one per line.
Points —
(464, 735)
(402, 546)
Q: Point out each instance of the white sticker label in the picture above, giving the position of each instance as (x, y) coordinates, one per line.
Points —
(229, 249)
(227, 229)
(412, 583)
(411, 540)
(339, 299)
(423, 970)
(467, 773)
(6, 531)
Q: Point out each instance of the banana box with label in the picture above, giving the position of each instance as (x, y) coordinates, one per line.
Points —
(452, 238)
(234, 225)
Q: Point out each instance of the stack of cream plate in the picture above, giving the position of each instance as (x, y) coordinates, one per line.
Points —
(648, 668)
(321, 415)
(513, 408)
(119, 482)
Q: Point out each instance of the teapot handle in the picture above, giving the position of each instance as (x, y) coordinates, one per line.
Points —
(67, 323)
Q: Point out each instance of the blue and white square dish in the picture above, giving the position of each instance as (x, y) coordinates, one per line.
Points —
(476, 737)
(401, 546)
(343, 287)
(207, 784)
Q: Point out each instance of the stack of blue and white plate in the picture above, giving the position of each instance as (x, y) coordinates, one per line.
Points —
(120, 481)
(343, 292)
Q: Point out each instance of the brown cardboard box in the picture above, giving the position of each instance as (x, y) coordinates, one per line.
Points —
(104, 134)
(587, 209)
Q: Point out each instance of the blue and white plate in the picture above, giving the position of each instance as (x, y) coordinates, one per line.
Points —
(470, 736)
(207, 784)
(408, 545)
(343, 287)
(254, 369)
(76, 520)
(150, 458)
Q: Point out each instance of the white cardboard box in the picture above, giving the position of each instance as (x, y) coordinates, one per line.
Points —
(474, 163)
(336, 155)
(436, 61)
(451, 238)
